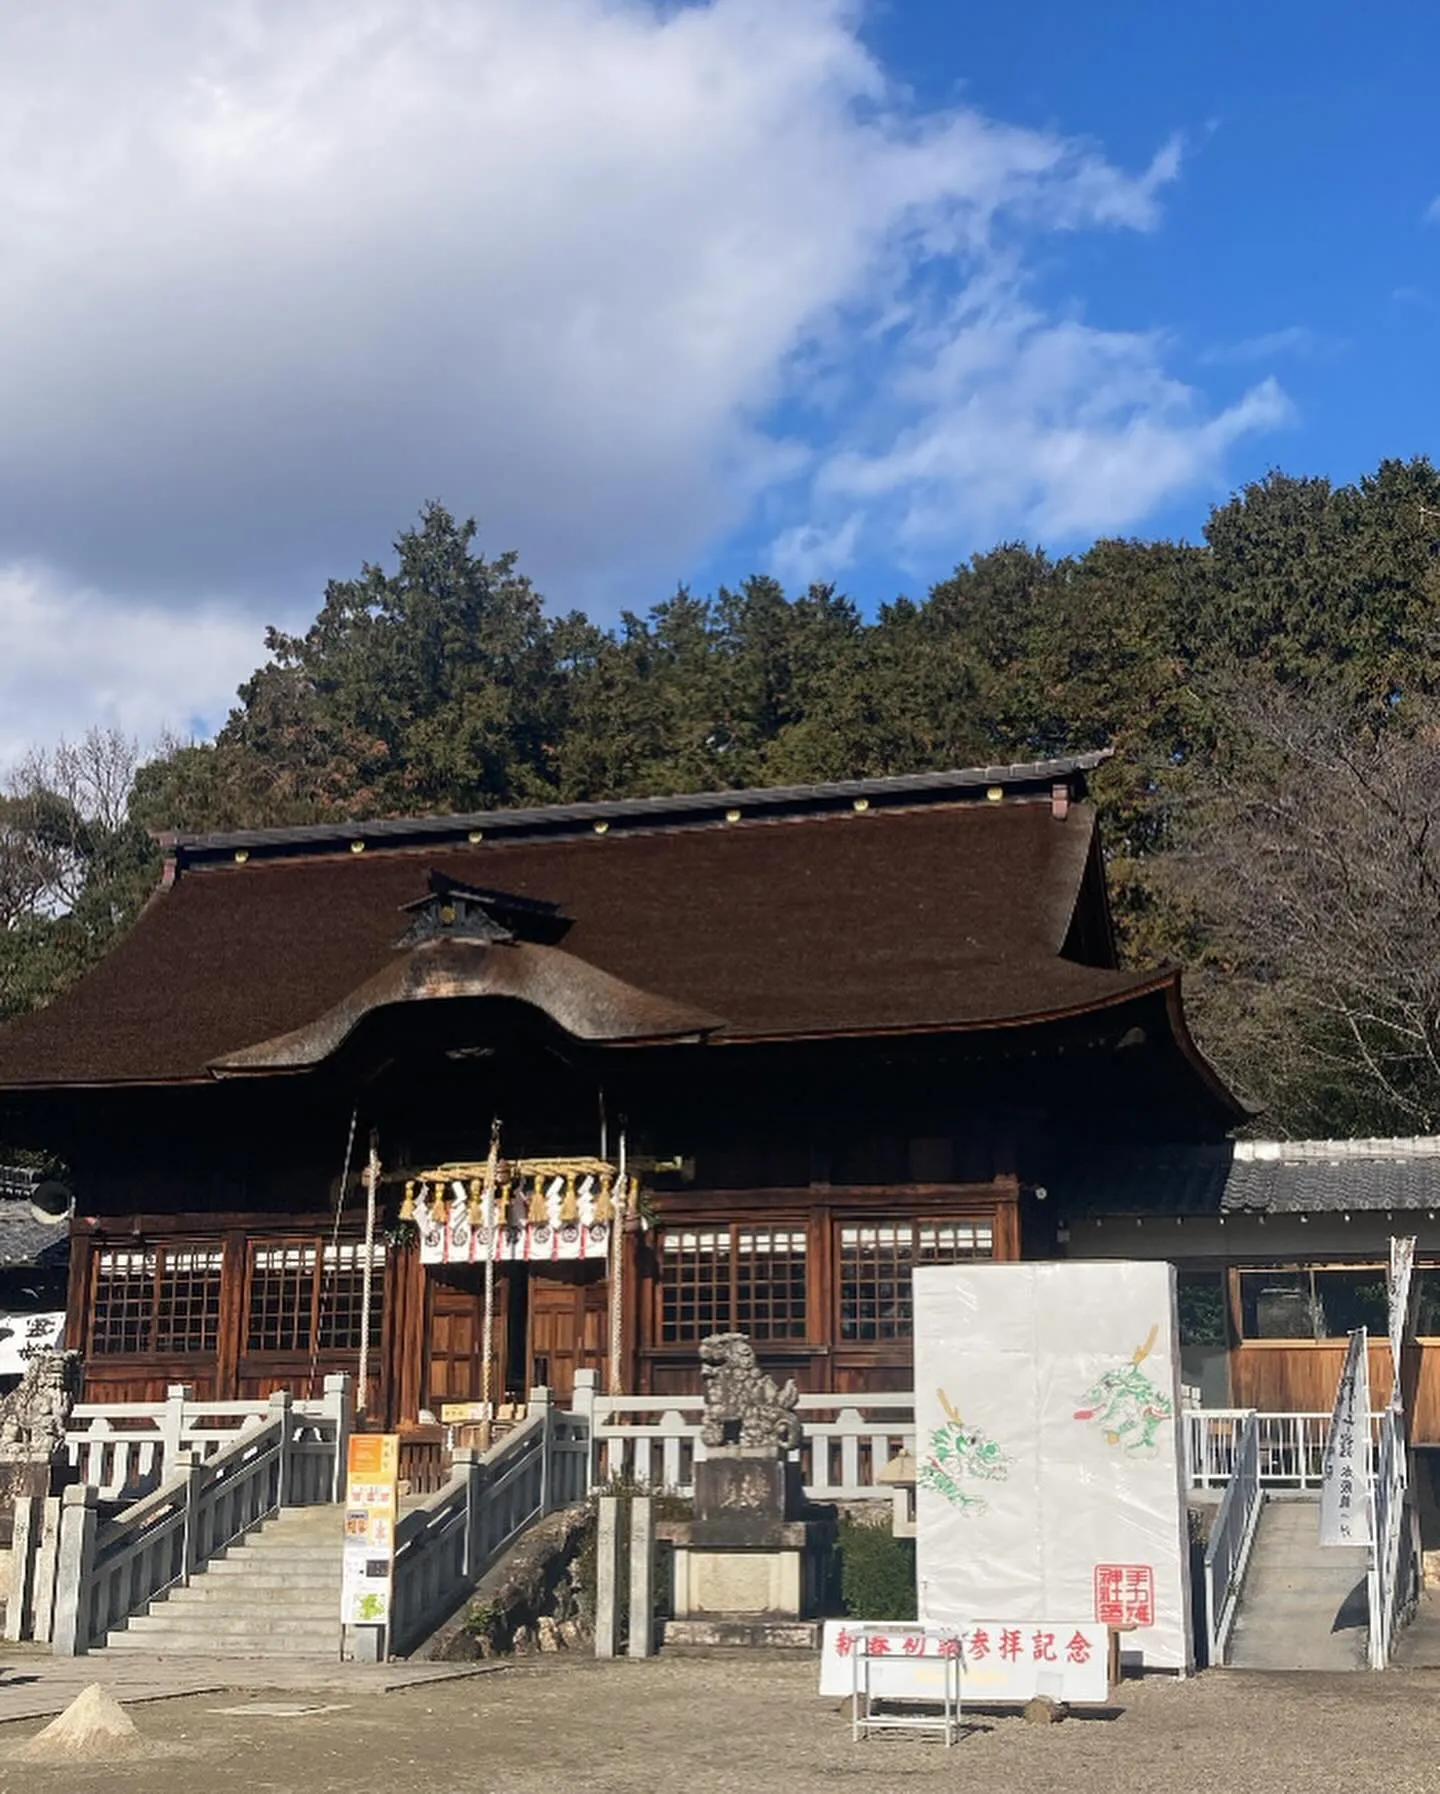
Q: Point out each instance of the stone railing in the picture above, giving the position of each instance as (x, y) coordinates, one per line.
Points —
(444, 1546)
(654, 1440)
(126, 1449)
(108, 1570)
(83, 1574)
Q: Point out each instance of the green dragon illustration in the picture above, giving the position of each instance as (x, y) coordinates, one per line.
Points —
(1127, 1405)
(958, 1453)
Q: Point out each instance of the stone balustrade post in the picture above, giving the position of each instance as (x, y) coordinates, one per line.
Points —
(641, 1639)
(541, 1405)
(45, 1566)
(467, 1462)
(172, 1426)
(29, 1519)
(582, 1406)
(191, 1466)
(280, 1405)
(607, 1577)
(339, 1405)
(79, 1523)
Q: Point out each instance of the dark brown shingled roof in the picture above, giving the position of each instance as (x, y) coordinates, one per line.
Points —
(941, 911)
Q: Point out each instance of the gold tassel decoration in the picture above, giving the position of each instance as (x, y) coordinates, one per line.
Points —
(539, 1209)
(477, 1209)
(604, 1210)
(569, 1205)
(407, 1207)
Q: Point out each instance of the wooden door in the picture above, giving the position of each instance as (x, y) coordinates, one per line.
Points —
(567, 1329)
(457, 1323)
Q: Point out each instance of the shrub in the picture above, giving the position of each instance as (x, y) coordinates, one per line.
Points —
(877, 1572)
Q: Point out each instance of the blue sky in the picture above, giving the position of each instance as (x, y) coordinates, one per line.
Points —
(1297, 240)
(669, 292)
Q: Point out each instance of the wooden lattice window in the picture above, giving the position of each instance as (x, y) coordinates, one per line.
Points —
(770, 1282)
(694, 1283)
(304, 1295)
(749, 1279)
(342, 1296)
(187, 1314)
(156, 1300)
(951, 1242)
(875, 1281)
(876, 1259)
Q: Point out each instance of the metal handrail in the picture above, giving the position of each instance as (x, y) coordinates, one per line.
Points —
(1231, 1537)
(1390, 1580)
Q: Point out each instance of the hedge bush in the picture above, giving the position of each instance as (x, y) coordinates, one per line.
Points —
(877, 1572)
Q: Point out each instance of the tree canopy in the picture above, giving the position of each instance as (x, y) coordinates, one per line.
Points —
(1271, 692)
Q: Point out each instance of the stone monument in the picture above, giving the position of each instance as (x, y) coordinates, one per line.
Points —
(748, 1566)
(32, 1425)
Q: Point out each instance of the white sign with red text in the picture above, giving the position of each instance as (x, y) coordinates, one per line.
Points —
(1001, 1663)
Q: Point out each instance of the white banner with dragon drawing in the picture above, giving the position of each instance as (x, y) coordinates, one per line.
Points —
(1048, 1455)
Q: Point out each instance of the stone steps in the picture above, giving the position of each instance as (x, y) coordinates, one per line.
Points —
(274, 1593)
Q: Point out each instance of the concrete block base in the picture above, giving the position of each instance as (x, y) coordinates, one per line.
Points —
(796, 1635)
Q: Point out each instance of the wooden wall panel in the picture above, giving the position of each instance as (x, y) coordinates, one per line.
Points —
(1280, 1378)
(1420, 1380)
(116, 1381)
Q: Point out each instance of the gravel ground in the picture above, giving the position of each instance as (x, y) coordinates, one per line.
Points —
(753, 1724)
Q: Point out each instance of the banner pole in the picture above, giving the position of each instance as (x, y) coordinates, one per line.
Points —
(491, 1246)
(367, 1270)
(617, 1271)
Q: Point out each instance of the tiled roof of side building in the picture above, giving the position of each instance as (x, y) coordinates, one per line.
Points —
(1257, 1177)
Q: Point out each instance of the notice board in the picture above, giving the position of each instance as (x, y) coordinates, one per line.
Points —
(1049, 1463)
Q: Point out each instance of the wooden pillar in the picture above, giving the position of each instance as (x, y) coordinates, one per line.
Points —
(636, 1291)
(230, 1330)
(77, 1293)
(407, 1336)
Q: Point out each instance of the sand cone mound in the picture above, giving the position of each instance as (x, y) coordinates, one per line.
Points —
(94, 1728)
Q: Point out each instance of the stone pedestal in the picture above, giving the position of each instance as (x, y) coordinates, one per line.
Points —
(744, 1564)
(774, 1579)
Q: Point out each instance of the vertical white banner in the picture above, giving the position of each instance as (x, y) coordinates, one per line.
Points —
(1049, 1478)
(1345, 1473)
(1402, 1266)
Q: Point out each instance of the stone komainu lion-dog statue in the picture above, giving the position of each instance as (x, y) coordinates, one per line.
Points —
(738, 1394)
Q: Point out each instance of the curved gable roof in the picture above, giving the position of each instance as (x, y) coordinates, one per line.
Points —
(894, 910)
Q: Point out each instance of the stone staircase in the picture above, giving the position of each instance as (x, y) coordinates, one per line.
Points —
(1302, 1605)
(274, 1593)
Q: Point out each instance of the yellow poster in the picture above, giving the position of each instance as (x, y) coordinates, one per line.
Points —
(371, 1504)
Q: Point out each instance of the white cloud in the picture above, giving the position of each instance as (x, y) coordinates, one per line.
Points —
(72, 658)
(999, 420)
(808, 551)
(1295, 339)
(1432, 211)
(279, 270)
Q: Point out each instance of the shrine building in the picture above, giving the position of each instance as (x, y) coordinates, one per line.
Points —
(464, 1104)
